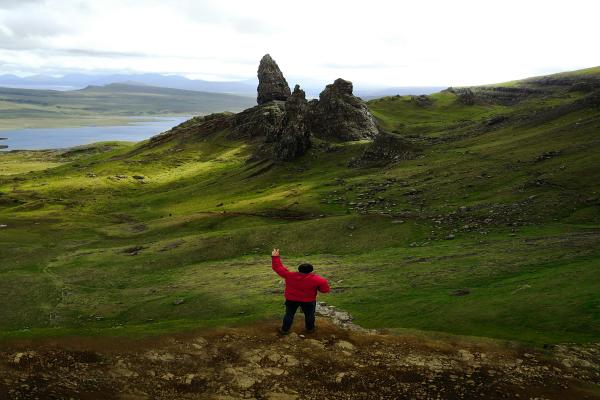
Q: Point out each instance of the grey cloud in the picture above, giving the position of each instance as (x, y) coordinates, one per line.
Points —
(10, 4)
(32, 25)
(99, 53)
(361, 65)
(214, 13)
(16, 43)
(252, 26)
(26, 28)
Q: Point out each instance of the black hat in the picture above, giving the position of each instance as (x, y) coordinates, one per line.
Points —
(305, 268)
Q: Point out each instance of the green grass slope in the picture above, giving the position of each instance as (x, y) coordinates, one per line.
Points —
(493, 230)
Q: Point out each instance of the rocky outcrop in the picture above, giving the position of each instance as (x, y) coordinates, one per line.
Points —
(293, 137)
(492, 95)
(283, 124)
(259, 121)
(340, 115)
(466, 97)
(422, 100)
(287, 127)
(385, 149)
(271, 82)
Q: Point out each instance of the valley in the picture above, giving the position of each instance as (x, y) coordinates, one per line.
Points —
(473, 214)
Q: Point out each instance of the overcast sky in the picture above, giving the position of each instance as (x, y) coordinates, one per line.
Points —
(392, 43)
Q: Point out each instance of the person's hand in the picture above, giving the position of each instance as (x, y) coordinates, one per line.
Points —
(275, 252)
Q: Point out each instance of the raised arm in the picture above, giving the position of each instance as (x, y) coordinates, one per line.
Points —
(276, 264)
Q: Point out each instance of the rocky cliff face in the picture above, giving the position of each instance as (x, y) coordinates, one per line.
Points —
(271, 82)
(293, 138)
(340, 115)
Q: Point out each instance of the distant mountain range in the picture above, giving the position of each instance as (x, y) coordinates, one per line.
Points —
(242, 88)
(115, 99)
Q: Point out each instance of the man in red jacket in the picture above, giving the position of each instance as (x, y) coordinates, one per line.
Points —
(300, 291)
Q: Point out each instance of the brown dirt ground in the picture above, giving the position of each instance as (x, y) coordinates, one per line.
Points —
(253, 362)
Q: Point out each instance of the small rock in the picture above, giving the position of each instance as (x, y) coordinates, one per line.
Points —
(344, 345)
(273, 371)
(244, 381)
(291, 361)
(465, 355)
(281, 396)
(168, 376)
(460, 292)
(315, 343)
(17, 358)
(189, 378)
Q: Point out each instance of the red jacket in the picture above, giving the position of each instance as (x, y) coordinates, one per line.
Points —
(299, 286)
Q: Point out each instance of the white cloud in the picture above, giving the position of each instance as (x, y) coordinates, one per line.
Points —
(378, 42)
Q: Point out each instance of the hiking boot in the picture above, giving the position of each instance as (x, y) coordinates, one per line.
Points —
(282, 332)
(310, 330)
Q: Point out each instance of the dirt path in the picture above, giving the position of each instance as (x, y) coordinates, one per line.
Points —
(255, 363)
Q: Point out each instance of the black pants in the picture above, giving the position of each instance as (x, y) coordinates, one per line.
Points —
(308, 308)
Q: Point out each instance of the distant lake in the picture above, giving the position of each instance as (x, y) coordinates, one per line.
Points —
(57, 138)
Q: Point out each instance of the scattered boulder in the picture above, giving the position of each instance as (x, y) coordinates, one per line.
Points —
(495, 119)
(546, 156)
(422, 100)
(134, 250)
(179, 301)
(271, 82)
(340, 115)
(460, 292)
(385, 149)
(340, 318)
(172, 245)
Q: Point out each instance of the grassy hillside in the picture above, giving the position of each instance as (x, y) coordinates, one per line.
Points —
(106, 105)
(493, 230)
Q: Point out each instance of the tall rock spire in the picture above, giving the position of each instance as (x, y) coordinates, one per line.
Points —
(271, 82)
(293, 138)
